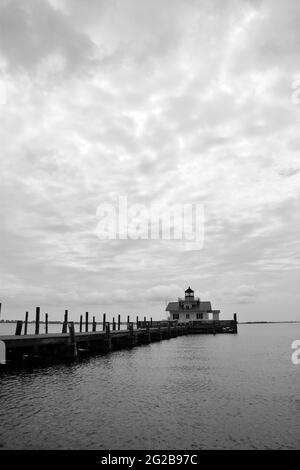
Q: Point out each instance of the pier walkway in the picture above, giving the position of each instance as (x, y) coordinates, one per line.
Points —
(71, 344)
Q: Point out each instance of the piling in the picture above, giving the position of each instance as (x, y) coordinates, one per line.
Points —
(235, 322)
(137, 322)
(107, 337)
(131, 335)
(94, 324)
(103, 321)
(73, 350)
(46, 323)
(114, 324)
(37, 320)
(65, 323)
(26, 323)
(86, 321)
(148, 334)
(19, 328)
(80, 324)
(119, 322)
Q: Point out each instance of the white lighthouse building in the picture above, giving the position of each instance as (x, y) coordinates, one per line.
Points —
(191, 308)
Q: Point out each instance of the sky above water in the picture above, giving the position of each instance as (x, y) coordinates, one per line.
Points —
(173, 102)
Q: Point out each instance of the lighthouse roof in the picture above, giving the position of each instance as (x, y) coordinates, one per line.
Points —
(189, 291)
(202, 306)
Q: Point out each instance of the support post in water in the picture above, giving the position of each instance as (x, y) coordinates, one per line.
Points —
(137, 322)
(103, 321)
(94, 324)
(128, 320)
(119, 322)
(114, 324)
(37, 321)
(86, 321)
(46, 323)
(19, 328)
(80, 324)
(26, 323)
(151, 322)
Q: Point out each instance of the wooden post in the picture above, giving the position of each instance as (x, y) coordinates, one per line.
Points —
(114, 324)
(65, 323)
(37, 320)
(74, 352)
(26, 323)
(128, 320)
(19, 328)
(80, 324)
(103, 321)
(46, 323)
(137, 322)
(151, 322)
(94, 324)
(86, 321)
(159, 331)
(148, 336)
(119, 322)
(107, 336)
(131, 335)
(235, 322)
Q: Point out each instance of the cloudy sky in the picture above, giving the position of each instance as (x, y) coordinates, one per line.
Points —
(164, 102)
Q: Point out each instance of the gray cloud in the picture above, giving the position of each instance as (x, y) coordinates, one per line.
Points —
(164, 103)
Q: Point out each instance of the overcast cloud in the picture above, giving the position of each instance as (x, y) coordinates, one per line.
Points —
(165, 102)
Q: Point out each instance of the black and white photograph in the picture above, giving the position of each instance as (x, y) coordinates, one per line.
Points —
(149, 235)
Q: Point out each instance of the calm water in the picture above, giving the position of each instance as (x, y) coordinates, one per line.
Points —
(191, 392)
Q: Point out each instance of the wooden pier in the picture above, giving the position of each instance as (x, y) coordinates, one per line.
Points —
(25, 348)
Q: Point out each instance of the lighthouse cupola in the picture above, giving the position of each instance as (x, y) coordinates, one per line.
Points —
(189, 294)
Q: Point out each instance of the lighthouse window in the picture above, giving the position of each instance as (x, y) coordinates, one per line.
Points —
(199, 316)
(187, 315)
(175, 316)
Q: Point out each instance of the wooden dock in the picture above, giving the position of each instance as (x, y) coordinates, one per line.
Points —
(25, 348)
